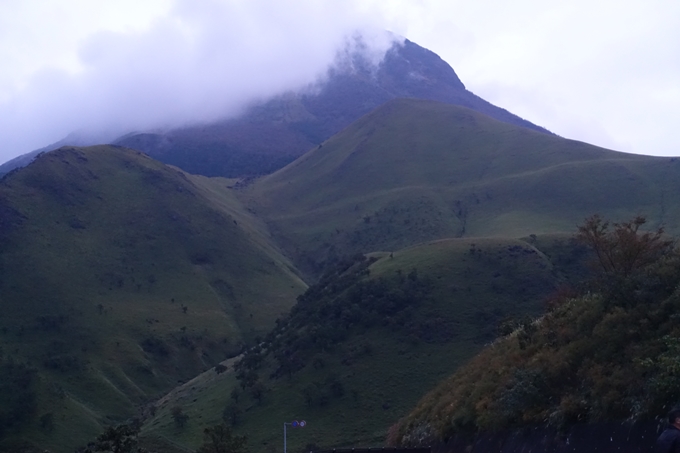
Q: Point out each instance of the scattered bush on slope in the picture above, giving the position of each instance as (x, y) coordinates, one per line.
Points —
(326, 314)
(611, 354)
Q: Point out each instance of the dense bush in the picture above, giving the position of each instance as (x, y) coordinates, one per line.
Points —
(116, 439)
(221, 439)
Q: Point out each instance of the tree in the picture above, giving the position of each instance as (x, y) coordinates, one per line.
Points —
(258, 390)
(626, 248)
(221, 439)
(232, 414)
(179, 416)
(116, 439)
(634, 265)
(47, 421)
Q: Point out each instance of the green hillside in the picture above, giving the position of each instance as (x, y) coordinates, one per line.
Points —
(124, 282)
(365, 342)
(121, 277)
(413, 171)
(608, 356)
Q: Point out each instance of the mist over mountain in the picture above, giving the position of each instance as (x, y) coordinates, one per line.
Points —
(197, 63)
(273, 134)
(270, 134)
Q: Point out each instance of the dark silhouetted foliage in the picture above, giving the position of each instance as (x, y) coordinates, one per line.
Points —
(180, 418)
(625, 248)
(221, 439)
(631, 264)
(116, 439)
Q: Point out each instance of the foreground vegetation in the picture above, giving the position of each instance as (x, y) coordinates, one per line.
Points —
(610, 354)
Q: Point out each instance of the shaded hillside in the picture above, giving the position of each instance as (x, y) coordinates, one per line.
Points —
(414, 170)
(362, 345)
(274, 133)
(607, 357)
(119, 278)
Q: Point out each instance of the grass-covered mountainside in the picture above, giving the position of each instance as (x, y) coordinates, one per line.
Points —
(411, 172)
(365, 342)
(121, 277)
(414, 171)
(608, 355)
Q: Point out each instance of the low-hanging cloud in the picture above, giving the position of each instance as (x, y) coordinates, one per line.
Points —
(204, 61)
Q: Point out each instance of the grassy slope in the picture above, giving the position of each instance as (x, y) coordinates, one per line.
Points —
(100, 248)
(475, 283)
(415, 170)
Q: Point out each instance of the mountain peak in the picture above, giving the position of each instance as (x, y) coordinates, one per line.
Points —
(277, 131)
(419, 68)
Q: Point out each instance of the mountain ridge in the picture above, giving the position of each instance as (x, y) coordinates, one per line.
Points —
(353, 88)
(275, 132)
(413, 171)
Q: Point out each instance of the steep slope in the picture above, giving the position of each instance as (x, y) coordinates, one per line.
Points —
(119, 277)
(608, 357)
(274, 133)
(361, 345)
(415, 170)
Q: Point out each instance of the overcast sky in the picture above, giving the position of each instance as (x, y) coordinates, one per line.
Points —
(605, 72)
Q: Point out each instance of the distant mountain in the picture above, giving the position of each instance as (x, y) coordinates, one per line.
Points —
(119, 278)
(274, 133)
(414, 170)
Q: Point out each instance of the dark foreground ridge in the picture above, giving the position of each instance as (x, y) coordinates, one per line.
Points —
(377, 450)
(613, 437)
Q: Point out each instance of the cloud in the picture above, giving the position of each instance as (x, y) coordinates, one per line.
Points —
(203, 61)
(602, 72)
